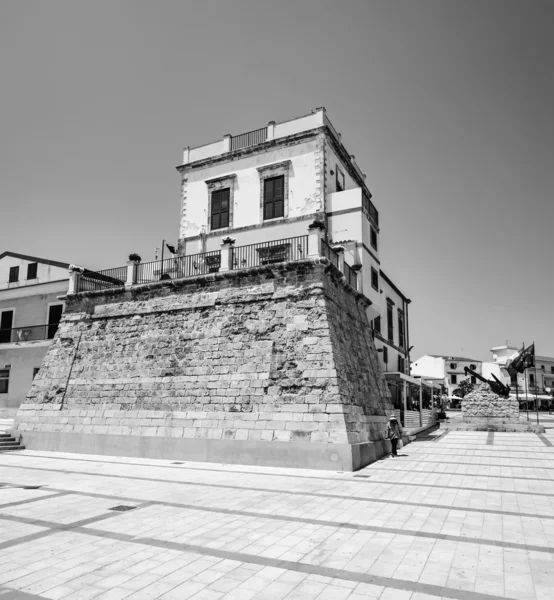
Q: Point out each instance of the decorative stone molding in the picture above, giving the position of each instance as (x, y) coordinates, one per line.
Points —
(76, 269)
(221, 183)
(227, 246)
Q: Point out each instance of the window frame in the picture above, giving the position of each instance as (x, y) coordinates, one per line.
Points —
(390, 321)
(15, 271)
(271, 171)
(5, 379)
(373, 237)
(29, 265)
(2, 311)
(453, 379)
(377, 324)
(215, 195)
(375, 279)
(401, 329)
(216, 185)
(339, 174)
(385, 355)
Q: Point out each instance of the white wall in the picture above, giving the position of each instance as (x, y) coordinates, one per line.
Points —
(45, 273)
(303, 197)
(428, 366)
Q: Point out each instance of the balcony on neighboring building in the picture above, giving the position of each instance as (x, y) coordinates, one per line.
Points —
(29, 333)
(344, 208)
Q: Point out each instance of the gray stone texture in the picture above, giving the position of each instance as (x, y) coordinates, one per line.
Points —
(274, 354)
(483, 403)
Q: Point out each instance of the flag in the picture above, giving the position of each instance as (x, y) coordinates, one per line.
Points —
(171, 248)
(524, 359)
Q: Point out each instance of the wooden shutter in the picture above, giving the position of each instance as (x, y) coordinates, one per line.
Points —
(274, 197)
(220, 208)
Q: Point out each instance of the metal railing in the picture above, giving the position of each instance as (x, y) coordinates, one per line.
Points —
(258, 136)
(267, 253)
(351, 276)
(179, 267)
(369, 208)
(329, 253)
(90, 281)
(31, 333)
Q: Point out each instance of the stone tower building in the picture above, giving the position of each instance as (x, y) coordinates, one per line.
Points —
(253, 344)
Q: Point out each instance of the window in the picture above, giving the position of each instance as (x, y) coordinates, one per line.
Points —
(453, 365)
(453, 378)
(400, 329)
(14, 274)
(220, 208)
(401, 363)
(274, 197)
(32, 271)
(531, 379)
(35, 371)
(54, 318)
(473, 379)
(374, 279)
(472, 367)
(385, 355)
(390, 324)
(552, 369)
(542, 367)
(6, 324)
(4, 380)
(373, 238)
(339, 179)
(377, 324)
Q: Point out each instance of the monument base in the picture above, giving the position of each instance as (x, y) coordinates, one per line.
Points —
(483, 410)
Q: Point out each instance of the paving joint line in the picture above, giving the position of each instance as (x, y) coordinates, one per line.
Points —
(301, 493)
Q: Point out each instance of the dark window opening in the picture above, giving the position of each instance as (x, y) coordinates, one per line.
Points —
(400, 329)
(54, 318)
(35, 371)
(6, 324)
(385, 355)
(401, 363)
(220, 208)
(473, 379)
(390, 324)
(373, 238)
(374, 279)
(4, 381)
(531, 379)
(274, 197)
(14, 274)
(377, 324)
(32, 270)
(339, 180)
(453, 378)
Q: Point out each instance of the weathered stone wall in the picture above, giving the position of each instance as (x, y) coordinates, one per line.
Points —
(483, 404)
(280, 354)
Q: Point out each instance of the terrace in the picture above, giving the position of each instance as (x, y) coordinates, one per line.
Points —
(229, 258)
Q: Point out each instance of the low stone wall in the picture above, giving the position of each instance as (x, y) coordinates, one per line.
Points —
(482, 403)
(274, 365)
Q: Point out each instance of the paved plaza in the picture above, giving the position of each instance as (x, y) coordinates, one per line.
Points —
(466, 515)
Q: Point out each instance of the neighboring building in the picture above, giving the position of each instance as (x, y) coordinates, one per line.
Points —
(538, 380)
(451, 369)
(29, 315)
(390, 328)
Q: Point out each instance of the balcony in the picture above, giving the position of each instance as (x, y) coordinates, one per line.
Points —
(30, 333)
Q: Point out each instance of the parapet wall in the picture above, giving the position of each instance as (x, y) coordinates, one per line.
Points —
(274, 365)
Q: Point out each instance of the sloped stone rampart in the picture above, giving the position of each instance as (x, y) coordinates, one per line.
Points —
(278, 359)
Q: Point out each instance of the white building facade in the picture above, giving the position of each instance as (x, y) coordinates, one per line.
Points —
(29, 315)
(449, 369)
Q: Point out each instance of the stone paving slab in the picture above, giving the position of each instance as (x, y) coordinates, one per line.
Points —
(464, 516)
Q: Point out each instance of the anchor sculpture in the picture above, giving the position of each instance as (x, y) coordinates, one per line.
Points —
(496, 386)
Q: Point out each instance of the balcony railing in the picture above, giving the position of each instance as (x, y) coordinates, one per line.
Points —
(258, 136)
(90, 281)
(267, 253)
(179, 267)
(369, 208)
(31, 333)
(329, 253)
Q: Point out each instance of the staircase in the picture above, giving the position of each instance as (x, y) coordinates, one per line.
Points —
(8, 442)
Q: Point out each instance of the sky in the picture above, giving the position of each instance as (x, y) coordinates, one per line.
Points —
(446, 104)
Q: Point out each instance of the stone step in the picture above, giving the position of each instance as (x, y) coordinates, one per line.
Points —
(8, 442)
(11, 448)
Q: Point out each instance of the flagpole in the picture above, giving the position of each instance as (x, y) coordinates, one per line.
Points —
(525, 380)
